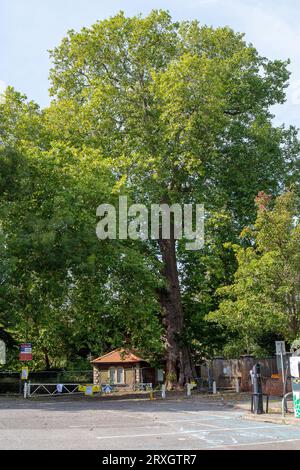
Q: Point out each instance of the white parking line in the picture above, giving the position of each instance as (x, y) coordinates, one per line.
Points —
(256, 443)
(198, 431)
(95, 426)
(224, 417)
(190, 421)
(159, 423)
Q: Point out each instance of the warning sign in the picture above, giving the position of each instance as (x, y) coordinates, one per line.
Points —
(24, 373)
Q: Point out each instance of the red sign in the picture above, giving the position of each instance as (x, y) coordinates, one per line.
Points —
(25, 352)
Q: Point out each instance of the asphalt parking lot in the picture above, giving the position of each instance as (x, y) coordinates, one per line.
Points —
(57, 423)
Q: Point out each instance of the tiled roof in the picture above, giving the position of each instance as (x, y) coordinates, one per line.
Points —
(117, 356)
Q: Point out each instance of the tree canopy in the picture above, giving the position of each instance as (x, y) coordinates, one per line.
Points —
(163, 112)
(264, 298)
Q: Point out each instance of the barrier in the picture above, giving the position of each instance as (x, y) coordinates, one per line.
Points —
(39, 390)
(143, 387)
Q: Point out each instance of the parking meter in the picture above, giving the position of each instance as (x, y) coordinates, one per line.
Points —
(257, 395)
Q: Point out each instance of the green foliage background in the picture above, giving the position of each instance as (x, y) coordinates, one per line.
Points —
(145, 107)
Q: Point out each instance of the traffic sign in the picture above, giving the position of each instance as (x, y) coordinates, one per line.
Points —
(280, 347)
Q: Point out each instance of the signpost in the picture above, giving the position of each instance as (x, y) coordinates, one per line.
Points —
(281, 361)
(25, 355)
(2, 352)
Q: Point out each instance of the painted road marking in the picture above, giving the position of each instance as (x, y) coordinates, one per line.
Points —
(154, 425)
(256, 443)
(127, 436)
(224, 417)
(111, 426)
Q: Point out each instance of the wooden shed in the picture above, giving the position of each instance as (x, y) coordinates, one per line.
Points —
(125, 369)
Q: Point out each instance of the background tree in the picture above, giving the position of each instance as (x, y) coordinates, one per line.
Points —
(264, 298)
(182, 114)
(60, 287)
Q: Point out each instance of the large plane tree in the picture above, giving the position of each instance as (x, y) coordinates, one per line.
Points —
(181, 112)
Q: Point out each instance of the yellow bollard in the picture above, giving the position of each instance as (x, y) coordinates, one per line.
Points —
(151, 395)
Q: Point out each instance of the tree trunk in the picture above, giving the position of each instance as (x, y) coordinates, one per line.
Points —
(47, 359)
(179, 368)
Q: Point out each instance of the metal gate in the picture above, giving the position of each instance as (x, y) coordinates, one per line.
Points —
(40, 390)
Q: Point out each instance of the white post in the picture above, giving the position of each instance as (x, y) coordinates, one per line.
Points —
(282, 371)
(188, 390)
(163, 391)
(25, 390)
(214, 387)
(237, 385)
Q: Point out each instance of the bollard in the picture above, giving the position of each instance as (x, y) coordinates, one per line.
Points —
(20, 385)
(210, 379)
(25, 390)
(237, 385)
(163, 391)
(214, 387)
(151, 394)
(257, 396)
(188, 390)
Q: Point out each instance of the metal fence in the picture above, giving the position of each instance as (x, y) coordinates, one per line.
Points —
(141, 387)
(38, 390)
(10, 381)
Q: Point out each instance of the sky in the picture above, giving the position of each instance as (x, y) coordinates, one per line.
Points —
(29, 28)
